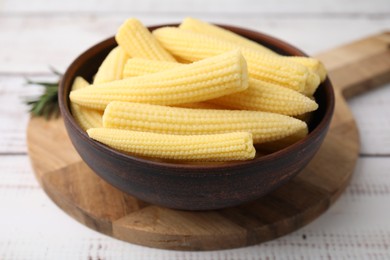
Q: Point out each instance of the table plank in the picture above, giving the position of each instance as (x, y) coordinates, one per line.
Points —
(62, 38)
(201, 7)
(14, 114)
(371, 111)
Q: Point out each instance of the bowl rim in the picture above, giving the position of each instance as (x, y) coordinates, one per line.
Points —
(66, 114)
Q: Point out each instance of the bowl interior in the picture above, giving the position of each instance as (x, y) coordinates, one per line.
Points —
(87, 64)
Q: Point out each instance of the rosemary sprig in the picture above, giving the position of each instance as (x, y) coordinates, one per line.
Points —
(45, 105)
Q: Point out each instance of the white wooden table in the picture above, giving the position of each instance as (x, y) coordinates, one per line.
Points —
(38, 33)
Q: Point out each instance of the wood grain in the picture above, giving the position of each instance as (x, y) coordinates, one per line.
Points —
(368, 60)
(286, 209)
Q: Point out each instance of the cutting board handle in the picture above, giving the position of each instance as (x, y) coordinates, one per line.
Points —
(360, 66)
(354, 69)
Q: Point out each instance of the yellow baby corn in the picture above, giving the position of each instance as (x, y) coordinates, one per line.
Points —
(264, 126)
(260, 95)
(198, 26)
(112, 66)
(312, 83)
(217, 147)
(268, 97)
(194, 46)
(138, 66)
(137, 41)
(203, 80)
(85, 117)
(311, 63)
(79, 83)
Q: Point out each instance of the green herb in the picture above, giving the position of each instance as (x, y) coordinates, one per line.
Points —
(45, 105)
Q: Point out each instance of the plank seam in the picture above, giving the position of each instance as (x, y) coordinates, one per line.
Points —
(5, 154)
(374, 155)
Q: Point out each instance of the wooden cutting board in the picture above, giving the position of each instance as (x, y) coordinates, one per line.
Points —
(69, 182)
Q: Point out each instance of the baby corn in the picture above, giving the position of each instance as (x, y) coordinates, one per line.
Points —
(193, 46)
(79, 83)
(260, 95)
(199, 26)
(112, 66)
(268, 97)
(207, 79)
(137, 41)
(85, 117)
(214, 147)
(311, 63)
(264, 126)
(139, 67)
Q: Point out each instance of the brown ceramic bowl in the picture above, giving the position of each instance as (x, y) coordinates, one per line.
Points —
(197, 186)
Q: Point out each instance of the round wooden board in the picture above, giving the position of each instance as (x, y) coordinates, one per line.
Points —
(79, 192)
(82, 194)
